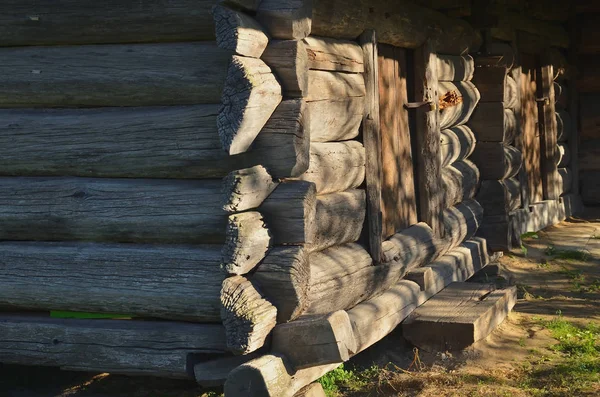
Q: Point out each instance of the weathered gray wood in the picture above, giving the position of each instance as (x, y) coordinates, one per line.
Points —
(116, 346)
(548, 133)
(238, 32)
(334, 55)
(497, 231)
(457, 144)
(324, 339)
(563, 157)
(412, 247)
(250, 96)
(169, 282)
(499, 197)
(461, 222)
(336, 167)
(491, 83)
(561, 96)
(334, 85)
(284, 277)
(124, 210)
(496, 160)
(460, 182)
(458, 316)
(286, 19)
(457, 100)
(246, 189)
(246, 244)
(214, 372)
(289, 61)
(372, 140)
(401, 24)
(248, 318)
(113, 75)
(112, 21)
(336, 119)
(497, 54)
(313, 390)
(491, 122)
(455, 67)
(511, 94)
(272, 376)
(565, 180)
(564, 125)
(154, 142)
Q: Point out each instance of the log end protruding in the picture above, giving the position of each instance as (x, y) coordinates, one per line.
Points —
(246, 189)
(250, 96)
(247, 242)
(239, 32)
(289, 61)
(266, 376)
(247, 317)
(288, 20)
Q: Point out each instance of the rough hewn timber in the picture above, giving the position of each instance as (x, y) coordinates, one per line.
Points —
(115, 346)
(123, 210)
(455, 67)
(335, 119)
(286, 19)
(497, 230)
(461, 222)
(246, 189)
(171, 282)
(334, 55)
(315, 389)
(214, 372)
(289, 61)
(146, 142)
(565, 180)
(499, 197)
(336, 166)
(548, 133)
(511, 94)
(509, 21)
(457, 100)
(563, 157)
(114, 75)
(457, 144)
(247, 317)
(460, 182)
(112, 21)
(491, 122)
(239, 32)
(324, 85)
(246, 244)
(491, 83)
(564, 124)
(401, 24)
(496, 160)
(250, 96)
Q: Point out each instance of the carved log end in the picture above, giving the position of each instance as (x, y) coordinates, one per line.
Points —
(247, 242)
(246, 189)
(239, 32)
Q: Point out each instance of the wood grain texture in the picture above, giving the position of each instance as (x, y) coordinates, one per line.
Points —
(239, 32)
(213, 372)
(496, 160)
(491, 83)
(123, 210)
(247, 242)
(456, 144)
(113, 75)
(336, 119)
(334, 55)
(112, 21)
(564, 123)
(548, 133)
(286, 19)
(491, 122)
(289, 61)
(117, 346)
(460, 182)
(499, 197)
(324, 85)
(455, 67)
(457, 113)
(563, 155)
(246, 189)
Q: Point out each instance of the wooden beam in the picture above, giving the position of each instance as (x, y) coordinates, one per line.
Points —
(575, 108)
(460, 182)
(499, 197)
(455, 67)
(548, 131)
(491, 122)
(457, 100)
(239, 32)
(214, 372)
(491, 83)
(246, 189)
(563, 157)
(247, 242)
(372, 143)
(288, 19)
(336, 119)
(324, 85)
(496, 160)
(457, 144)
(289, 61)
(334, 55)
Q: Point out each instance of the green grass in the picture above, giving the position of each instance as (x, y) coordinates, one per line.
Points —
(343, 379)
(529, 235)
(579, 255)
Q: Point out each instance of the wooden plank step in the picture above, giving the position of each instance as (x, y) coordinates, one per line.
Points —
(458, 316)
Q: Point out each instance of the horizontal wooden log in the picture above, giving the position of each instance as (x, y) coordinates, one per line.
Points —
(590, 187)
(412, 246)
(336, 119)
(565, 180)
(497, 231)
(457, 102)
(403, 24)
(289, 61)
(214, 372)
(116, 346)
(336, 167)
(510, 21)
(324, 85)
(561, 95)
(113, 75)
(512, 98)
(455, 67)
(114, 21)
(287, 19)
(564, 125)
(496, 160)
(460, 182)
(246, 244)
(315, 389)
(141, 281)
(123, 210)
(563, 155)
(589, 156)
(496, 54)
(246, 189)
(151, 142)
(461, 222)
(457, 144)
(334, 55)
(499, 197)
(491, 83)
(239, 32)
(491, 122)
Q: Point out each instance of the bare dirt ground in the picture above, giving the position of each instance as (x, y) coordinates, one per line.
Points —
(549, 345)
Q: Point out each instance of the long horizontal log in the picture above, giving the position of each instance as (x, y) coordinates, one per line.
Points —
(402, 24)
(123, 210)
(457, 102)
(496, 160)
(112, 21)
(214, 372)
(324, 85)
(461, 222)
(589, 156)
(455, 67)
(509, 22)
(170, 282)
(497, 231)
(337, 119)
(113, 75)
(499, 197)
(334, 55)
(460, 182)
(149, 142)
(150, 348)
(336, 167)
(456, 144)
(491, 83)
(491, 122)
(285, 19)
(564, 125)
(565, 180)
(563, 155)
(239, 32)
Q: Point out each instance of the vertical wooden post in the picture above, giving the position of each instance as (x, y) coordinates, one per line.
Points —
(428, 140)
(517, 75)
(372, 142)
(548, 132)
(574, 103)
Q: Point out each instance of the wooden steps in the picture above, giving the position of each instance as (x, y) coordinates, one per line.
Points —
(458, 316)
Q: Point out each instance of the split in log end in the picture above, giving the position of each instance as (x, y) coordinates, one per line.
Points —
(247, 242)
(246, 189)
